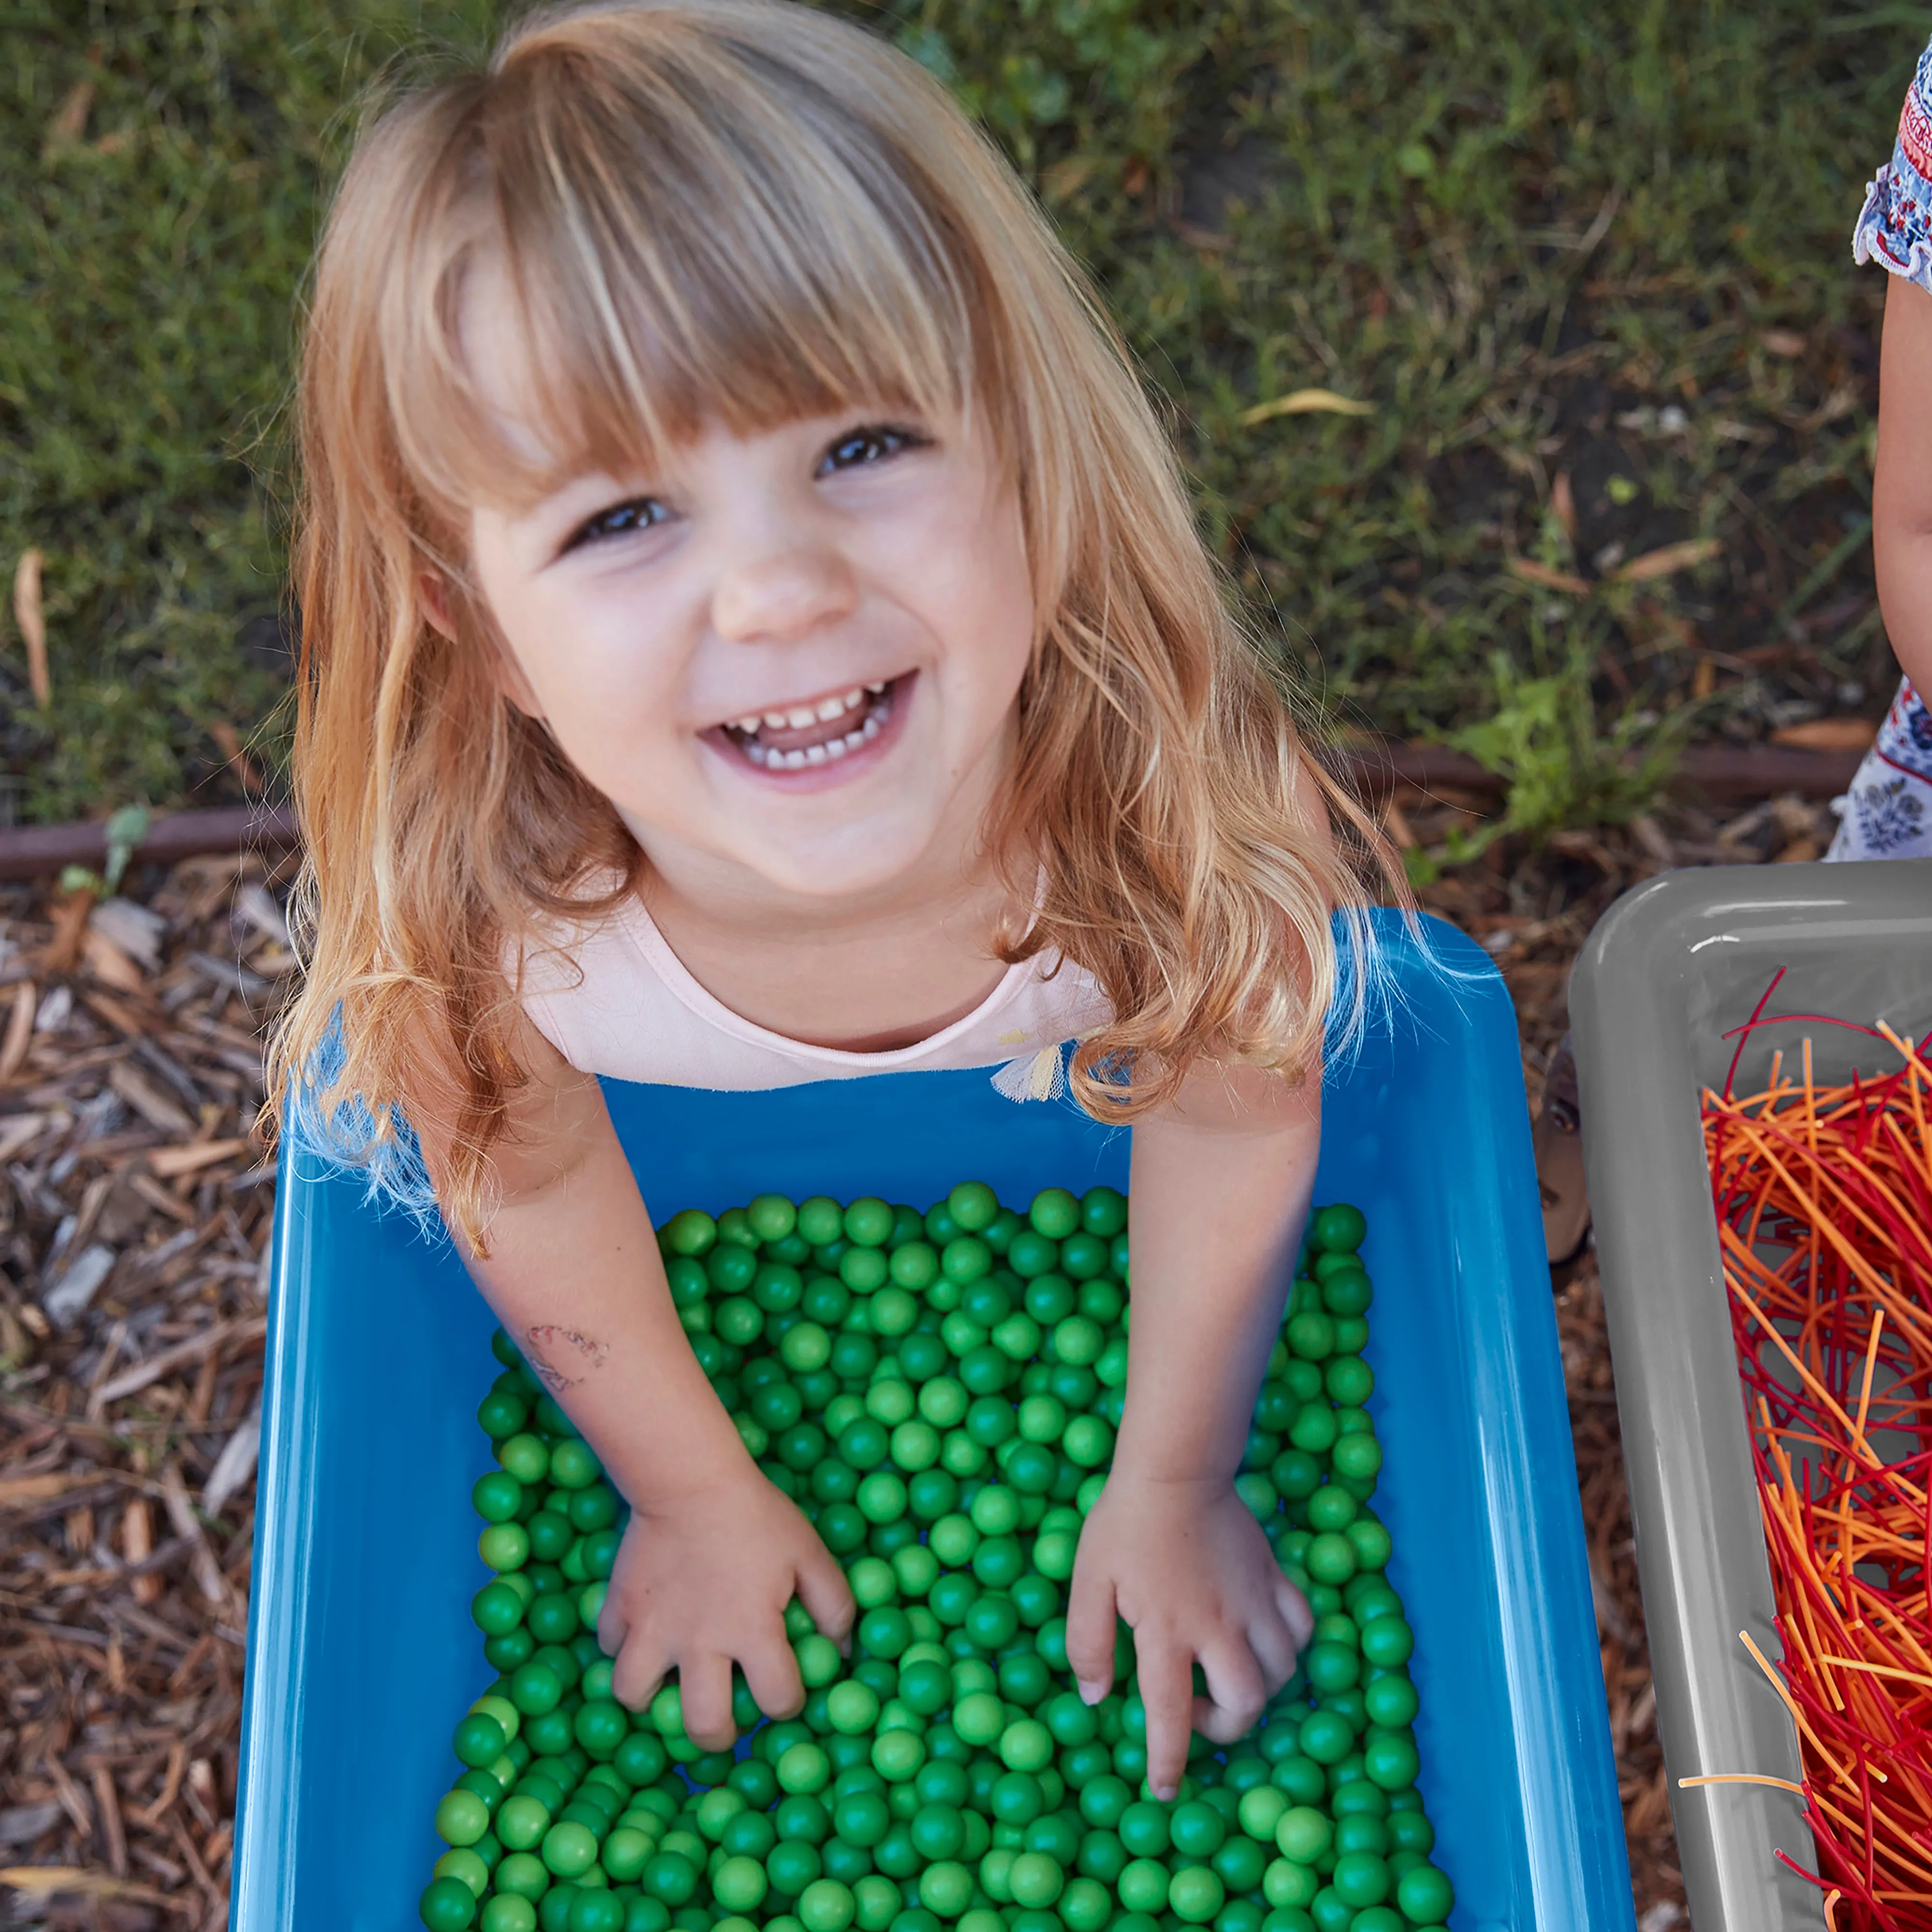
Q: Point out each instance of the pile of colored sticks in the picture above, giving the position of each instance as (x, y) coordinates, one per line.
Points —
(1824, 1206)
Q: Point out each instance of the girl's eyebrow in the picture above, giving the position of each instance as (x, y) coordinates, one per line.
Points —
(827, 430)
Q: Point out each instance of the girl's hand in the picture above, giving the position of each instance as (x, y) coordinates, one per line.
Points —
(1186, 1565)
(701, 1582)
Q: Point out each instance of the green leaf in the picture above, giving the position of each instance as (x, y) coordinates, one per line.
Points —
(1563, 769)
(126, 829)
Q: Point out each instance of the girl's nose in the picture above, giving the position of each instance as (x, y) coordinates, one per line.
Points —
(782, 594)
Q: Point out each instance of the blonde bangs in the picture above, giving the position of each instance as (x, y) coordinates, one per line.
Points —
(693, 231)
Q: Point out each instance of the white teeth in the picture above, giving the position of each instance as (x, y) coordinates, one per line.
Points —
(828, 753)
(800, 715)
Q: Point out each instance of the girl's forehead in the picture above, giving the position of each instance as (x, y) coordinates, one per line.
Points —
(550, 424)
(500, 360)
(544, 424)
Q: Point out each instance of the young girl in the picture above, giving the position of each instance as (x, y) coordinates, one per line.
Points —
(1888, 812)
(754, 632)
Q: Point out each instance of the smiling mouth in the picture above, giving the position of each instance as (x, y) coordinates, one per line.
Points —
(806, 735)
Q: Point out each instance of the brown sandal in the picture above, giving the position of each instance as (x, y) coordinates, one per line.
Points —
(1559, 1147)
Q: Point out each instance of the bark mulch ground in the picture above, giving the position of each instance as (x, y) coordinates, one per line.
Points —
(134, 1217)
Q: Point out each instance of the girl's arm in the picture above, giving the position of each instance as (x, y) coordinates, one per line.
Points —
(714, 1552)
(1902, 481)
(1222, 1181)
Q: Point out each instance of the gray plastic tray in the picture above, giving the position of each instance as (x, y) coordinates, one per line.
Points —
(1670, 968)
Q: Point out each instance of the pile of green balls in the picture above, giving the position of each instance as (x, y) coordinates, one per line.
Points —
(939, 1393)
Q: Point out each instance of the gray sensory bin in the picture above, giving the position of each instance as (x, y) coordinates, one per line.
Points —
(1671, 969)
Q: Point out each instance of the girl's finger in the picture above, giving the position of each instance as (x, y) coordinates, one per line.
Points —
(771, 1674)
(612, 1626)
(824, 1591)
(1225, 1727)
(1294, 1608)
(1091, 1617)
(1237, 1692)
(704, 1683)
(1166, 1674)
(638, 1672)
(1275, 1649)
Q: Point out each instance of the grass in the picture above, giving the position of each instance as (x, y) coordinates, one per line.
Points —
(1589, 268)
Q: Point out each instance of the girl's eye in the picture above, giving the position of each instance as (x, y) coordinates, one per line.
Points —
(869, 444)
(641, 513)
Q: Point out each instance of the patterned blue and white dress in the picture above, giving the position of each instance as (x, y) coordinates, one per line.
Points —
(1887, 813)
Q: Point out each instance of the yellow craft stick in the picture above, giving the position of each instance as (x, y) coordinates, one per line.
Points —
(1878, 1669)
(1797, 1715)
(1871, 1362)
(1740, 1778)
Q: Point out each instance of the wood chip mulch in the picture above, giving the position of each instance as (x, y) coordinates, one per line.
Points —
(134, 1217)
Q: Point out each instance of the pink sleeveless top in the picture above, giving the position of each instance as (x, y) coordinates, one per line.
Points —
(638, 1014)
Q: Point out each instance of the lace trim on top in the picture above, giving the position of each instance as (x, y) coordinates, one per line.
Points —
(1894, 227)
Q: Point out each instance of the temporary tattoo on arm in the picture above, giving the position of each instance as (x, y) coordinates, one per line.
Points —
(549, 1345)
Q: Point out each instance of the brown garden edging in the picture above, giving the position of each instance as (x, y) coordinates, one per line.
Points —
(40, 851)
(1722, 774)
(1728, 774)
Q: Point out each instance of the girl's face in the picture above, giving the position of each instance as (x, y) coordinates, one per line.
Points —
(790, 659)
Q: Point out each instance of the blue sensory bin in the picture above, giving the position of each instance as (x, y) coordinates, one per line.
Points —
(362, 1654)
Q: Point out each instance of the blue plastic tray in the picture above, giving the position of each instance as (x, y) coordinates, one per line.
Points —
(361, 1653)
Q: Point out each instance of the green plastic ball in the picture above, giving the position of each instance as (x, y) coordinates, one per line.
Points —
(1337, 1229)
(1196, 1894)
(479, 1740)
(569, 1849)
(447, 1905)
(1036, 1880)
(462, 1818)
(1425, 1895)
(1390, 1760)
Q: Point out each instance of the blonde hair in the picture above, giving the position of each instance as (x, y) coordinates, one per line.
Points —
(749, 211)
